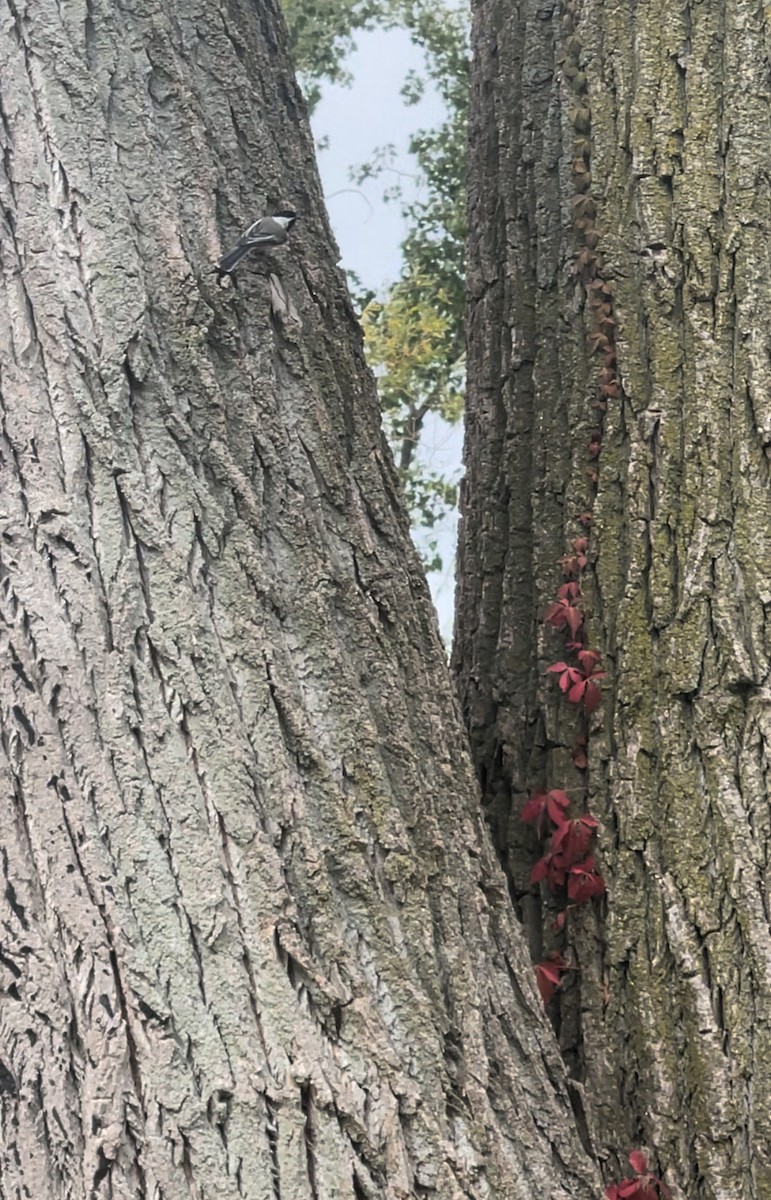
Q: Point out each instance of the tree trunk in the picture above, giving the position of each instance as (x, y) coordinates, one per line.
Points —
(255, 941)
(620, 234)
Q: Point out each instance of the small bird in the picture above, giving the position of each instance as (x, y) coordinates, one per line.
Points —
(267, 232)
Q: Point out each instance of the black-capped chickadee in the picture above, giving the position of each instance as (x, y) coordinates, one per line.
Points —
(262, 235)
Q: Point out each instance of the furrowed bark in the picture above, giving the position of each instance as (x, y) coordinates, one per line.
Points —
(666, 1023)
(255, 942)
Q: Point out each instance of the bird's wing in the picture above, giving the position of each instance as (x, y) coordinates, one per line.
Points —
(273, 236)
(252, 232)
(230, 261)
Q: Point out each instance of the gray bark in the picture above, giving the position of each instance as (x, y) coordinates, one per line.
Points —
(255, 942)
(659, 116)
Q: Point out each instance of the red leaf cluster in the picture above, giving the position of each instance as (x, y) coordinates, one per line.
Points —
(551, 804)
(552, 869)
(567, 861)
(571, 839)
(644, 1185)
(582, 878)
(574, 563)
(548, 975)
(584, 881)
(564, 612)
(579, 683)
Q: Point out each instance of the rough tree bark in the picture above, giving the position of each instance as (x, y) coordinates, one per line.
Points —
(255, 943)
(629, 147)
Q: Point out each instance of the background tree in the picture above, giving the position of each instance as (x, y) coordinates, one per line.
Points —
(406, 339)
(255, 944)
(619, 377)
(322, 36)
(414, 333)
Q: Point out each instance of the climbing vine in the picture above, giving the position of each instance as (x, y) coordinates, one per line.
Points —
(566, 829)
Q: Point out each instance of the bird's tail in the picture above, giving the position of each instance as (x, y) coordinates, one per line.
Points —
(231, 260)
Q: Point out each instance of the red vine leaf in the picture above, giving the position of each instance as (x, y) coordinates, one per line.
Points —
(561, 615)
(551, 804)
(572, 838)
(644, 1186)
(552, 869)
(628, 1190)
(568, 598)
(575, 562)
(581, 689)
(584, 881)
(579, 683)
(548, 975)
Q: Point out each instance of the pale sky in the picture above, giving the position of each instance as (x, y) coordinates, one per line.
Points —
(355, 121)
